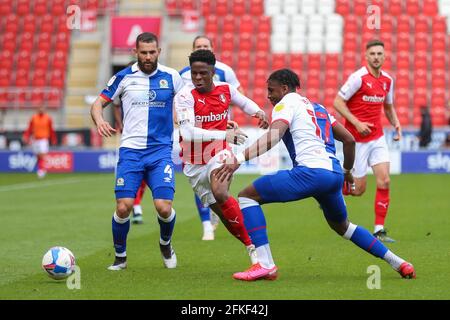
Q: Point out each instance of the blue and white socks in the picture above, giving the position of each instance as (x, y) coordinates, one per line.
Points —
(366, 241)
(166, 226)
(120, 228)
(255, 223)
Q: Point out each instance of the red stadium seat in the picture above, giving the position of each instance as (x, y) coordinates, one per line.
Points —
(261, 60)
(421, 41)
(387, 23)
(227, 57)
(430, 8)
(352, 24)
(421, 23)
(238, 7)
(264, 24)
(40, 8)
(37, 98)
(23, 7)
(221, 7)
(5, 9)
(421, 60)
(296, 61)
(211, 24)
(227, 43)
(438, 79)
(256, 7)
(243, 60)
(246, 41)
(403, 24)
(438, 60)
(278, 61)
(205, 7)
(439, 24)
(438, 116)
(229, 23)
(395, 7)
(187, 5)
(438, 97)
(314, 61)
(246, 24)
(420, 79)
(332, 61)
(412, 7)
(439, 42)
(263, 42)
(403, 41)
(359, 7)
(343, 7)
(402, 80)
(58, 7)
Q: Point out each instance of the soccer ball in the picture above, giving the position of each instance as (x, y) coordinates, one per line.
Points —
(58, 262)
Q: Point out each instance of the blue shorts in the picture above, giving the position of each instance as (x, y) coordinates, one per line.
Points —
(137, 165)
(302, 182)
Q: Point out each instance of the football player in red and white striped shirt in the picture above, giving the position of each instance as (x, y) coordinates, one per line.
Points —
(202, 114)
(360, 101)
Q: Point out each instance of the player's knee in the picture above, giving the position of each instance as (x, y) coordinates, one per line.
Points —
(123, 210)
(221, 196)
(164, 210)
(384, 183)
(359, 191)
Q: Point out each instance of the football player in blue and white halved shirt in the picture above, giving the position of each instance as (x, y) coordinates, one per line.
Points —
(308, 133)
(146, 89)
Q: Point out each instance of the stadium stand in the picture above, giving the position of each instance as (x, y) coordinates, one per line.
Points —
(34, 49)
(324, 41)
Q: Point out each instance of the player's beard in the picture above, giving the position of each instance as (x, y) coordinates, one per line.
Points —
(147, 68)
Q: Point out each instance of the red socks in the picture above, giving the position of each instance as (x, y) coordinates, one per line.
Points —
(41, 163)
(381, 205)
(235, 220)
(139, 194)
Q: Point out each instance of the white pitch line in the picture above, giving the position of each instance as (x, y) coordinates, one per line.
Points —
(42, 184)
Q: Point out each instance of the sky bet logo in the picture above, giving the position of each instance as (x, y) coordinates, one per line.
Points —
(438, 161)
(21, 161)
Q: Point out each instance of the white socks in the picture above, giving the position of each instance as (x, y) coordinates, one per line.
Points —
(378, 227)
(393, 260)
(265, 256)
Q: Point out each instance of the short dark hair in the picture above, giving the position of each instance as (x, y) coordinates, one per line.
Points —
(146, 37)
(202, 55)
(373, 43)
(202, 37)
(286, 77)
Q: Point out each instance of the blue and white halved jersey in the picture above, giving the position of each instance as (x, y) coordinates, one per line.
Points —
(306, 139)
(146, 105)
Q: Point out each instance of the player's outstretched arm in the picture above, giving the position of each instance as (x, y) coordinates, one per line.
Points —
(259, 147)
(103, 127)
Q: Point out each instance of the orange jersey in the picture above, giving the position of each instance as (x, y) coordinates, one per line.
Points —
(41, 127)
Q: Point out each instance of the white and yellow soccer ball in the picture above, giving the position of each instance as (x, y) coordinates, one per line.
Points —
(58, 263)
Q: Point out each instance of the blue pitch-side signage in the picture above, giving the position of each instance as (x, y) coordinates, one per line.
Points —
(61, 161)
(426, 162)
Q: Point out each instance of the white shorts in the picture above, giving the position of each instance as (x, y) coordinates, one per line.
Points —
(199, 176)
(368, 154)
(40, 146)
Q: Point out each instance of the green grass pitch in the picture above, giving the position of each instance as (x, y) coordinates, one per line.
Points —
(74, 210)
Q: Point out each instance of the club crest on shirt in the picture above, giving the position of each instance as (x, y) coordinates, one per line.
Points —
(216, 77)
(384, 86)
(163, 84)
(120, 182)
(223, 98)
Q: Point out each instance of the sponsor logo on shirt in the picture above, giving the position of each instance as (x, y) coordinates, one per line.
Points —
(212, 117)
(223, 98)
(279, 107)
(374, 99)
